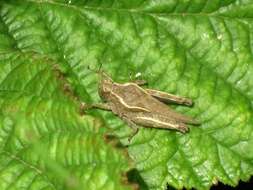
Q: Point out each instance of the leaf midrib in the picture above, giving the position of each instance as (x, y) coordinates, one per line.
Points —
(138, 11)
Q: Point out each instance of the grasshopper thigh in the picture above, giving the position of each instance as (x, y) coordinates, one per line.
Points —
(140, 82)
(167, 97)
(155, 120)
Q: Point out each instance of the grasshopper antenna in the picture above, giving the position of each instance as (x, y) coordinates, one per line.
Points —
(100, 72)
(100, 67)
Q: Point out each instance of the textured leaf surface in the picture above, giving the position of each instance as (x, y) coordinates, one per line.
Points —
(45, 143)
(198, 49)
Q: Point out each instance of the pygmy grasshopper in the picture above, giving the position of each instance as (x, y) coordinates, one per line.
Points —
(141, 107)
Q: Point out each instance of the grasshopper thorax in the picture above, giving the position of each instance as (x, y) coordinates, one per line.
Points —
(105, 86)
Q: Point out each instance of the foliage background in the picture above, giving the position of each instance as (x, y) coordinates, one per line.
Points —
(195, 48)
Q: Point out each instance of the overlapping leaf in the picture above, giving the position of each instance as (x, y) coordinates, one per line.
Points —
(199, 49)
(45, 142)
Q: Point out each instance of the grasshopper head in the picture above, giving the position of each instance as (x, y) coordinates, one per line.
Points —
(105, 86)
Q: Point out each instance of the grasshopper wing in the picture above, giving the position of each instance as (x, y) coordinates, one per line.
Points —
(136, 99)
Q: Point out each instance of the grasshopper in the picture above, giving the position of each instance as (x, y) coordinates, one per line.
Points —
(138, 106)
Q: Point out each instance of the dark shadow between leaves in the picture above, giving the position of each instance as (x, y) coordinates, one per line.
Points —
(221, 186)
(241, 185)
(134, 177)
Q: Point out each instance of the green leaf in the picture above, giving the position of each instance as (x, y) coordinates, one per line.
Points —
(198, 49)
(44, 142)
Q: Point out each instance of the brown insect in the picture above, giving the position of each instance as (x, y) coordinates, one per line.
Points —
(142, 107)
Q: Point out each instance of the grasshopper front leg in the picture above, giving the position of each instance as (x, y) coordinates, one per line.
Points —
(166, 97)
(102, 106)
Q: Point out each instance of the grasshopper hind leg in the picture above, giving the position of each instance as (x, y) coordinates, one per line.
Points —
(167, 97)
(140, 82)
(161, 121)
(182, 128)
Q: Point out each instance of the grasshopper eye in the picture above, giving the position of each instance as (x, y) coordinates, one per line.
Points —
(105, 85)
